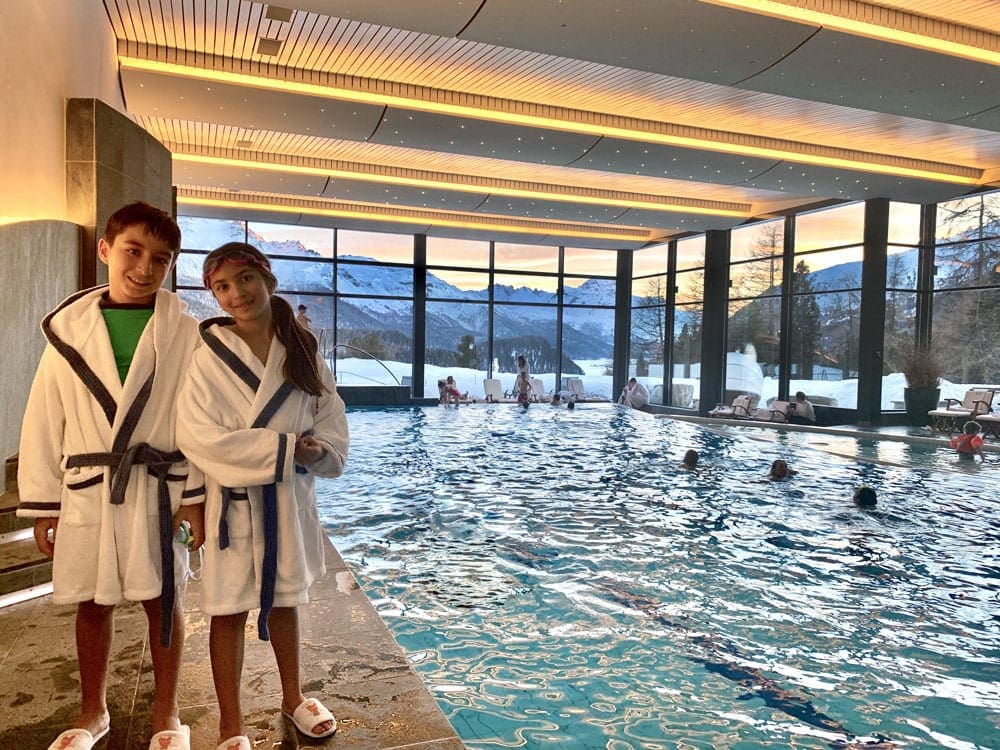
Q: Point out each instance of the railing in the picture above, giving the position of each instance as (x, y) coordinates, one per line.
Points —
(367, 354)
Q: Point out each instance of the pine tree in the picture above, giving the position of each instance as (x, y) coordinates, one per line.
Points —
(468, 355)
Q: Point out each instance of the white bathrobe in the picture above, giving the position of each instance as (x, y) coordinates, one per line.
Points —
(226, 391)
(79, 425)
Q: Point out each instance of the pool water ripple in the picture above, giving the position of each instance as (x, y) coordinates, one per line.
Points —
(558, 581)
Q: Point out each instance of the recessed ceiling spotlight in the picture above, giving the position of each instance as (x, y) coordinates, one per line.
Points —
(277, 13)
(268, 47)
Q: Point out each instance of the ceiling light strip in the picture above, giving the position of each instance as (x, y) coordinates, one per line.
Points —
(192, 196)
(388, 175)
(408, 96)
(878, 22)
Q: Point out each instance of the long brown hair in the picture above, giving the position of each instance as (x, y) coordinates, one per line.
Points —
(300, 345)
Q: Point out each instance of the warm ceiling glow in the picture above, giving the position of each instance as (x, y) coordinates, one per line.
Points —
(588, 123)
(492, 187)
(798, 11)
(536, 227)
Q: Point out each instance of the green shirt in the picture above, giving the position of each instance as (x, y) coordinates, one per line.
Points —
(125, 326)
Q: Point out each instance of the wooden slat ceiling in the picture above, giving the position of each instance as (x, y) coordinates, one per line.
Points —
(705, 115)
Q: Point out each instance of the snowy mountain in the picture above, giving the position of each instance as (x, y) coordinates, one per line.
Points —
(447, 321)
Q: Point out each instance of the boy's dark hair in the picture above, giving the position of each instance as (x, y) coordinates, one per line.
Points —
(158, 223)
(691, 457)
(972, 427)
(302, 307)
(865, 497)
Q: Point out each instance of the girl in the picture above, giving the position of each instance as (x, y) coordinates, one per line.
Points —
(260, 414)
(522, 366)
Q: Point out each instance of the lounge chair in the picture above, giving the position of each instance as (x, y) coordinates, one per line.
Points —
(492, 389)
(575, 388)
(990, 423)
(949, 419)
(776, 411)
(743, 407)
(538, 390)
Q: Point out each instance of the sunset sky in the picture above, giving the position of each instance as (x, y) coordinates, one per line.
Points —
(836, 227)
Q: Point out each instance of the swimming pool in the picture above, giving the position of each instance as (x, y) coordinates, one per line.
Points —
(559, 582)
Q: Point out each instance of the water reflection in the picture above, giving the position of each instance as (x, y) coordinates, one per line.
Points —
(502, 546)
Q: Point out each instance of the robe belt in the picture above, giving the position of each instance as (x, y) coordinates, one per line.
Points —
(269, 569)
(158, 464)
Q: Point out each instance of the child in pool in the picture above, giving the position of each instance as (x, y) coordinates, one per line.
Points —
(969, 442)
(523, 387)
(780, 470)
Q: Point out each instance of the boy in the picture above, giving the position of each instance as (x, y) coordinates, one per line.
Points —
(523, 387)
(99, 468)
(969, 442)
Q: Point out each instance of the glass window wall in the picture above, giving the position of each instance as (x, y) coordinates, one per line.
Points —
(685, 346)
(528, 330)
(588, 343)
(903, 255)
(377, 246)
(446, 252)
(753, 330)
(467, 285)
(966, 303)
(825, 305)
(511, 257)
(648, 335)
(587, 262)
(374, 338)
(457, 335)
(291, 240)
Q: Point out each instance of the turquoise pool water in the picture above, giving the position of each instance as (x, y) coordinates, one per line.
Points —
(559, 582)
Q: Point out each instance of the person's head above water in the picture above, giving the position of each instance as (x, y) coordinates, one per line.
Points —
(779, 469)
(691, 458)
(865, 497)
(972, 427)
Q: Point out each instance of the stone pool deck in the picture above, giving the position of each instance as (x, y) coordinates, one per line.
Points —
(349, 659)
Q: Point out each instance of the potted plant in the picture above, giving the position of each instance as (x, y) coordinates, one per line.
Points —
(922, 370)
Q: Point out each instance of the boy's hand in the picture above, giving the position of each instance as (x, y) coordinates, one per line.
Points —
(42, 528)
(195, 516)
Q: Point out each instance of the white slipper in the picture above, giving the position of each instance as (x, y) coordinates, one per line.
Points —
(172, 739)
(77, 739)
(239, 742)
(309, 714)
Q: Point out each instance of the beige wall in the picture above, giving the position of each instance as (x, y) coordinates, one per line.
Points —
(49, 52)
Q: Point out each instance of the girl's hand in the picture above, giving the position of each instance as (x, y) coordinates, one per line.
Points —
(308, 450)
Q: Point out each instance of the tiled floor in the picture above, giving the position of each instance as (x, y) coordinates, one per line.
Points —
(349, 659)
